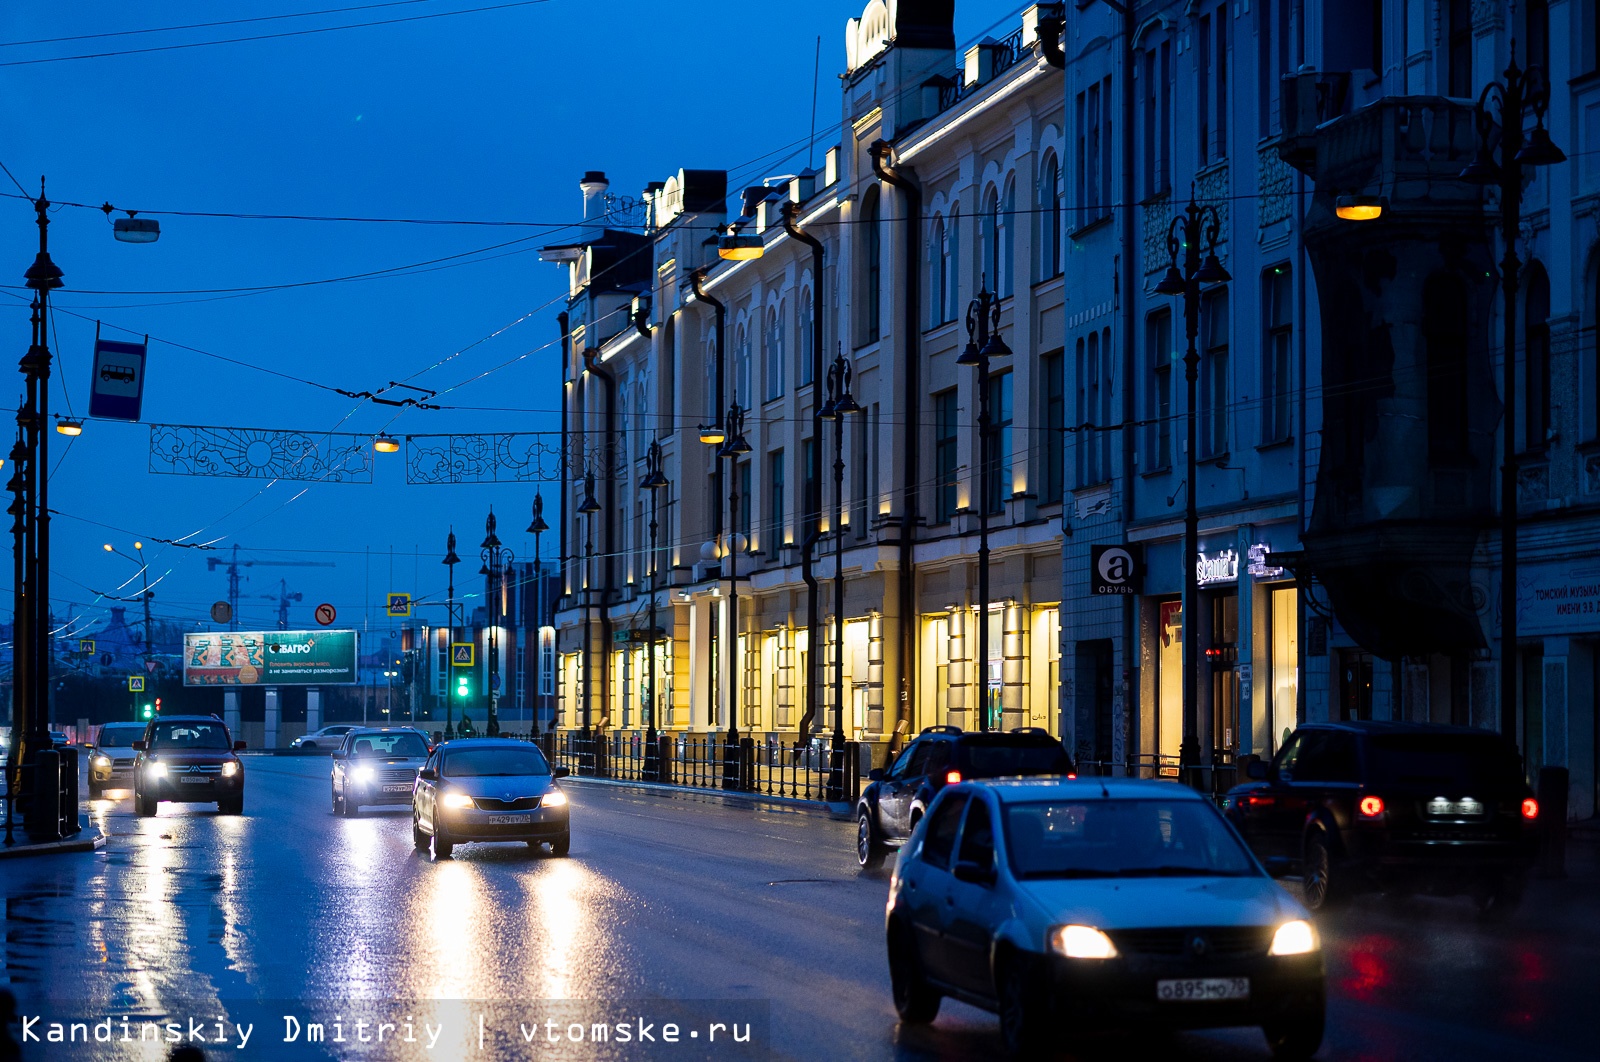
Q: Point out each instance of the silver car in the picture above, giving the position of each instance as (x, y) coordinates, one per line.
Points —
(489, 789)
(376, 765)
(329, 737)
(111, 757)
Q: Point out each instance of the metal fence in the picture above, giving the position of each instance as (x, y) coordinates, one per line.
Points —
(1215, 779)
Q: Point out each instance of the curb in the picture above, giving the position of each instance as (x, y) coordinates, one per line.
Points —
(840, 812)
(76, 844)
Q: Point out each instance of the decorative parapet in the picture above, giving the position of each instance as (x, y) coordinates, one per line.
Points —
(1276, 182)
(1212, 188)
(1156, 217)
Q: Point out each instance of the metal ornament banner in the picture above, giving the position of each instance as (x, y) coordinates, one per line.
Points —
(260, 453)
(509, 457)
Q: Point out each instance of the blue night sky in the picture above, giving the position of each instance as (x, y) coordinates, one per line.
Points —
(487, 116)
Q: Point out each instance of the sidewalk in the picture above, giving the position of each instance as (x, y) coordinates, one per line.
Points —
(842, 812)
(88, 839)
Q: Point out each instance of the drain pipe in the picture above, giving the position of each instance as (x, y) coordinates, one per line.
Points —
(905, 181)
(1049, 28)
(814, 486)
(609, 382)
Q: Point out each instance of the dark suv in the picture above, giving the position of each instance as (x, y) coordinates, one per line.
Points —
(1396, 806)
(898, 795)
(189, 759)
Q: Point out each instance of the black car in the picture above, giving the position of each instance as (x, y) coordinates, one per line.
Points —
(1394, 806)
(899, 794)
(188, 759)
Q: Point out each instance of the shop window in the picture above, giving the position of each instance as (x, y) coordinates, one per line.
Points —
(1169, 683)
(1355, 685)
(1284, 690)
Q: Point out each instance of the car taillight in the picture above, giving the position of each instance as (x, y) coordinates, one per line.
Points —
(1371, 807)
(1530, 809)
(952, 777)
(1071, 776)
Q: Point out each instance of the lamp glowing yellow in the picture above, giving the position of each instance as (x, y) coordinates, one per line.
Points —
(1359, 207)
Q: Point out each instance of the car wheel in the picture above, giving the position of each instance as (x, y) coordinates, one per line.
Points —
(347, 807)
(145, 804)
(333, 794)
(561, 845)
(441, 847)
(232, 807)
(1021, 1012)
(869, 851)
(308, 745)
(1295, 1038)
(1320, 881)
(419, 840)
(914, 1000)
(95, 791)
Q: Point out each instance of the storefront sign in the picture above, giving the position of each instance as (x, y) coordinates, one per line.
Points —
(1258, 566)
(1220, 567)
(1558, 599)
(270, 658)
(1115, 569)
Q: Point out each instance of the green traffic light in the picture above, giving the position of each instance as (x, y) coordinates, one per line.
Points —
(147, 711)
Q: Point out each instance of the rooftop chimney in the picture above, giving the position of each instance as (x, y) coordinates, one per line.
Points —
(594, 185)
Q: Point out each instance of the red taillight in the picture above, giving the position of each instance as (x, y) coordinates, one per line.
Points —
(1070, 776)
(1530, 809)
(1371, 807)
(952, 777)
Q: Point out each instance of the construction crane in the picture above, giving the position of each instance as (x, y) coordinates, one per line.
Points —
(283, 597)
(233, 566)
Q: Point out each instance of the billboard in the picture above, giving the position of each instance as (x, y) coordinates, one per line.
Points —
(270, 658)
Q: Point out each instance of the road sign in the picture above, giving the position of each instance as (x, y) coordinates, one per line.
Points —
(399, 605)
(116, 385)
(135, 683)
(152, 666)
(326, 614)
(221, 612)
(86, 646)
(461, 654)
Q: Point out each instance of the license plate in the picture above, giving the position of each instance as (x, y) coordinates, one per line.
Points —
(1455, 807)
(402, 788)
(191, 779)
(1203, 989)
(507, 820)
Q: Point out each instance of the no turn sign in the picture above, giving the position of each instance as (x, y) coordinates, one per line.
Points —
(326, 614)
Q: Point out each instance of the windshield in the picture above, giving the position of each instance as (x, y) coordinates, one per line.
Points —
(407, 745)
(1459, 761)
(993, 761)
(119, 737)
(1122, 838)
(478, 763)
(190, 736)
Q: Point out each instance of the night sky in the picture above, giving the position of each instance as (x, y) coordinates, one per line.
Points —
(488, 116)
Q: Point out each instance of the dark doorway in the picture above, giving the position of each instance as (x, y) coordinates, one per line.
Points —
(1094, 684)
(1355, 684)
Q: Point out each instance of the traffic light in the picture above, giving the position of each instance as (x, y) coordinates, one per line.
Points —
(158, 705)
(147, 711)
(463, 687)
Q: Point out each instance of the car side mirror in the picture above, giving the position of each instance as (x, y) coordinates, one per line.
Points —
(138, 746)
(239, 746)
(877, 774)
(1257, 769)
(428, 774)
(974, 873)
(560, 772)
(337, 754)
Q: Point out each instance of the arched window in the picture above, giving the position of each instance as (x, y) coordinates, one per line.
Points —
(937, 270)
(807, 331)
(1005, 226)
(952, 261)
(872, 255)
(773, 342)
(1536, 421)
(713, 413)
(1444, 333)
(622, 426)
(989, 243)
(741, 370)
(1050, 218)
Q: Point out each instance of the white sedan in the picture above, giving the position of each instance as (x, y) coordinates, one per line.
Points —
(328, 738)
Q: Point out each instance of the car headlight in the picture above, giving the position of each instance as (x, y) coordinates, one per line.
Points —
(456, 800)
(102, 761)
(230, 769)
(1082, 942)
(1294, 938)
(554, 799)
(364, 774)
(155, 770)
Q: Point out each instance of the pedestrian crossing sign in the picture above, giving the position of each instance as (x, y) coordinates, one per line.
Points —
(86, 646)
(135, 683)
(461, 654)
(399, 606)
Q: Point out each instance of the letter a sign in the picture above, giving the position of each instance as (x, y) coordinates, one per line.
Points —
(461, 654)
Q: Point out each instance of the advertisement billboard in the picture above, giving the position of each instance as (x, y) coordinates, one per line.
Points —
(270, 658)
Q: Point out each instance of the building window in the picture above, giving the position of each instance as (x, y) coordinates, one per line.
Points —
(742, 517)
(1094, 396)
(1158, 395)
(1214, 373)
(952, 258)
(808, 337)
(742, 391)
(858, 472)
(1050, 219)
(999, 441)
(775, 501)
(1272, 40)
(810, 485)
(937, 295)
(1157, 119)
(1094, 151)
(1536, 34)
(1458, 39)
(1006, 241)
(1055, 423)
(872, 254)
(1276, 296)
(946, 428)
(1444, 333)
(1213, 86)
(989, 257)
(1537, 424)
(773, 342)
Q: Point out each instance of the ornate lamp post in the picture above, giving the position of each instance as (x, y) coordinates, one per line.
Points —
(1501, 109)
(1184, 236)
(733, 448)
(496, 558)
(450, 562)
(983, 343)
(840, 404)
(588, 507)
(537, 528)
(655, 481)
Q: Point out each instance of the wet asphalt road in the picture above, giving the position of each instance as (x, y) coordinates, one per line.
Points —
(664, 895)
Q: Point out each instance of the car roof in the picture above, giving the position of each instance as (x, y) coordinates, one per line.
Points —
(1026, 790)
(1375, 727)
(187, 719)
(384, 730)
(488, 742)
(1025, 735)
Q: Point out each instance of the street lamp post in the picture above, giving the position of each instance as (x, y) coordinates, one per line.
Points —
(841, 403)
(588, 507)
(537, 528)
(1184, 235)
(983, 343)
(1501, 109)
(450, 562)
(655, 481)
(497, 557)
(17, 486)
(146, 594)
(733, 447)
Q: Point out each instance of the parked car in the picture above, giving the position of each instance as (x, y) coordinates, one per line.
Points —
(188, 759)
(59, 740)
(1401, 806)
(1071, 905)
(897, 796)
(376, 765)
(489, 789)
(112, 756)
(329, 737)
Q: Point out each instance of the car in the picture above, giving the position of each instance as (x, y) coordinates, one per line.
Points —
(897, 796)
(489, 789)
(188, 759)
(329, 737)
(59, 740)
(112, 756)
(1076, 905)
(1357, 806)
(376, 765)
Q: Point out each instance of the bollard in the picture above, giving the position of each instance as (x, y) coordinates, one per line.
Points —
(68, 802)
(666, 744)
(1553, 785)
(44, 808)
